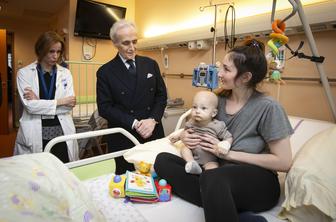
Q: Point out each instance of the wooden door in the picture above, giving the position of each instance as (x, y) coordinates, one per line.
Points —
(4, 124)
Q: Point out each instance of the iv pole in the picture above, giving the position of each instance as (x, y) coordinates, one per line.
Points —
(297, 6)
(213, 29)
(319, 66)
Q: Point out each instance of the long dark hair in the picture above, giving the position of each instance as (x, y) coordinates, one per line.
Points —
(249, 57)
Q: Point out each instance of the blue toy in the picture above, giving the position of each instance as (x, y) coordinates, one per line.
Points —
(205, 76)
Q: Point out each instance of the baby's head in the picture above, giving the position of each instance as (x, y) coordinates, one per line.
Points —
(204, 107)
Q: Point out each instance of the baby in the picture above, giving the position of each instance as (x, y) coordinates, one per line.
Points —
(202, 121)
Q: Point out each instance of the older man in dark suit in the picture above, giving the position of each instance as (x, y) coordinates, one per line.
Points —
(130, 93)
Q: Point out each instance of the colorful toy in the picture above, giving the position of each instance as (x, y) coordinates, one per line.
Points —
(277, 55)
(117, 186)
(143, 168)
(278, 38)
(276, 66)
(164, 190)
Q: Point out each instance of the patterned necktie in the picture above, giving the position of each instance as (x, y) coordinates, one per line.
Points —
(131, 68)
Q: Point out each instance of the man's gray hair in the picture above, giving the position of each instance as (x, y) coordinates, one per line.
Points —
(122, 23)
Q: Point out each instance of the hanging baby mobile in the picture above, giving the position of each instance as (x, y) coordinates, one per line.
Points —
(277, 55)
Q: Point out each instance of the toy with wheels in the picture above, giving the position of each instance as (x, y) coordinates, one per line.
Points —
(164, 190)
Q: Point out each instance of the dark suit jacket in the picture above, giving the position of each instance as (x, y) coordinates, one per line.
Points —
(122, 98)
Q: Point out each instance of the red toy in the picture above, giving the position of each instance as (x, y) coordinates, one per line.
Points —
(164, 190)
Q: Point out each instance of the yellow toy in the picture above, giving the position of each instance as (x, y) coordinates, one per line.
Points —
(117, 186)
(143, 168)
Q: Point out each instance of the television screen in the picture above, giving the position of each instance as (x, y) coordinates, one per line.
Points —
(94, 19)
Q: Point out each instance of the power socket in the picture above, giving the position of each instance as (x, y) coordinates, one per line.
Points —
(165, 61)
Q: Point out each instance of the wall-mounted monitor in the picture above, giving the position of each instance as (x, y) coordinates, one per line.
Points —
(94, 19)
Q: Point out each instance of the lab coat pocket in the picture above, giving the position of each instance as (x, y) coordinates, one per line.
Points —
(25, 134)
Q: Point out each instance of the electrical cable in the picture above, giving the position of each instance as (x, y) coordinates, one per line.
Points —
(229, 41)
(93, 45)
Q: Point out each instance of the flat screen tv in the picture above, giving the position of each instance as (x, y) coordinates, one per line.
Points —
(94, 19)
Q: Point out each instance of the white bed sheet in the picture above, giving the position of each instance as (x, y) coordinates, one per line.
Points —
(175, 210)
(113, 209)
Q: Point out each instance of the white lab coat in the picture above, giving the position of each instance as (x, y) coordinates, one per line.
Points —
(29, 137)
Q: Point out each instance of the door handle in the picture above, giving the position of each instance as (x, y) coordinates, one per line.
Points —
(0, 90)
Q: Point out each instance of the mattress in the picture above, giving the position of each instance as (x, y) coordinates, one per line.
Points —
(175, 210)
(178, 209)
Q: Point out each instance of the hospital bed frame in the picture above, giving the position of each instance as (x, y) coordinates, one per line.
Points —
(90, 134)
(103, 132)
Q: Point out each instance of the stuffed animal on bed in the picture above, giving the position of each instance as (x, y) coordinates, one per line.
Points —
(143, 168)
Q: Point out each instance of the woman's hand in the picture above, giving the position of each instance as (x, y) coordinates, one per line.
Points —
(69, 101)
(210, 144)
(29, 94)
(190, 139)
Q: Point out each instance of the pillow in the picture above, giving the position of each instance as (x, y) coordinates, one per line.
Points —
(304, 129)
(147, 152)
(310, 186)
(39, 187)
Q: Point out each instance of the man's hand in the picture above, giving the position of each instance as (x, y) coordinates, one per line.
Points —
(29, 94)
(145, 127)
(69, 101)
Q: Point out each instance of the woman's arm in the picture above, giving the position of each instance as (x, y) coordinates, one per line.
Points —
(69, 101)
(279, 158)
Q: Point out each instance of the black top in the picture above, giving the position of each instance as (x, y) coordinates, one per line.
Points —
(47, 78)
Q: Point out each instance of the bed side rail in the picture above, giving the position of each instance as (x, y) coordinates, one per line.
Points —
(88, 135)
(181, 119)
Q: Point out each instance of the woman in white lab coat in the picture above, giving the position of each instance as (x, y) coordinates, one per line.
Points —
(47, 94)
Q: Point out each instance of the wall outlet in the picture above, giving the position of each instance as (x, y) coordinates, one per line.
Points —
(165, 61)
(192, 45)
(202, 45)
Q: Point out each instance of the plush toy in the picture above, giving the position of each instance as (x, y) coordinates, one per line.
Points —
(276, 66)
(143, 168)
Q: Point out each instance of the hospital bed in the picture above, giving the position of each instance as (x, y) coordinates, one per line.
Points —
(176, 209)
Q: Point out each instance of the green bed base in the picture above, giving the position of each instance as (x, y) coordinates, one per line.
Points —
(94, 170)
(85, 99)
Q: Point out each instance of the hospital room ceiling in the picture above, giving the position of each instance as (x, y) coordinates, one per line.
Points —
(30, 9)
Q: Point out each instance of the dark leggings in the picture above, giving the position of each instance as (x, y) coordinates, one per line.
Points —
(222, 192)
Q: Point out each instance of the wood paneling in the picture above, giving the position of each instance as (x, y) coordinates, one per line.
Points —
(4, 128)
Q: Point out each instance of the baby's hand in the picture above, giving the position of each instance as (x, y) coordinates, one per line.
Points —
(173, 138)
